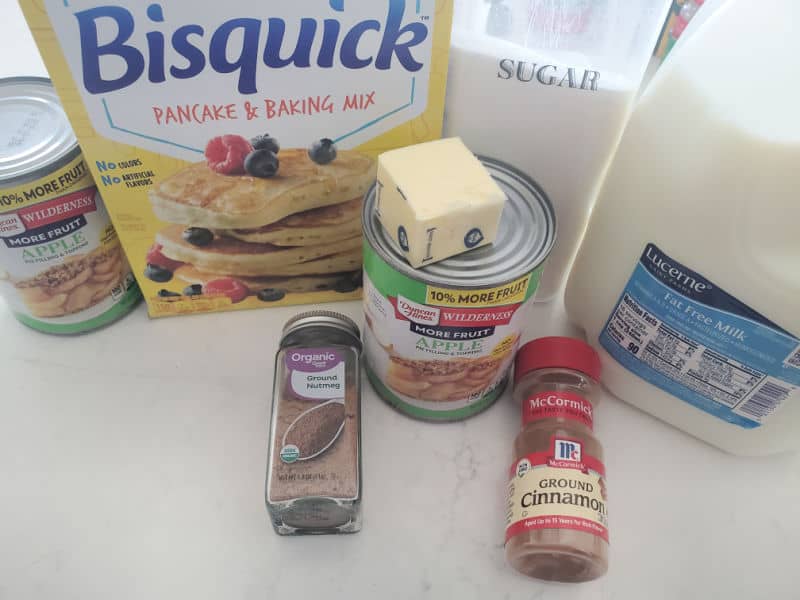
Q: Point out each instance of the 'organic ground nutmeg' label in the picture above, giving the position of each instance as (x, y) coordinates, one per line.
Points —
(315, 451)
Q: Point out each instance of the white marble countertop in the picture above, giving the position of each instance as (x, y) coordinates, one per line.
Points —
(133, 463)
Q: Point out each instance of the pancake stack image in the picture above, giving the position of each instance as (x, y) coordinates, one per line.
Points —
(262, 221)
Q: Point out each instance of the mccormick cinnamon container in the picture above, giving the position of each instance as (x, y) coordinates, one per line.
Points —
(62, 269)
(557, 515)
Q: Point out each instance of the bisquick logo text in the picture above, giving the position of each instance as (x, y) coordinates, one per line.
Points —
(115, 54)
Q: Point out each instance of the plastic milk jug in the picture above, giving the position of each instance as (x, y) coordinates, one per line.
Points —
(688, 279)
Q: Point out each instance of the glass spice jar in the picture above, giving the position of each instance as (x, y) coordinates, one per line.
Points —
(314, 464)
(557, 518)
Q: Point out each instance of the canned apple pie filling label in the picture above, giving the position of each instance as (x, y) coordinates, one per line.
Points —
(437, 352)
(62, 268)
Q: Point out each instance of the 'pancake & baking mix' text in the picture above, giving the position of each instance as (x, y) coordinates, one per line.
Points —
(233, 142)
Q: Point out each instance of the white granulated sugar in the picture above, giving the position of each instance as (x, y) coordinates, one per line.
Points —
(559, 122)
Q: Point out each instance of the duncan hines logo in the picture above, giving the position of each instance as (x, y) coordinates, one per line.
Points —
(672, 272)
(418, 313)
(169, 76)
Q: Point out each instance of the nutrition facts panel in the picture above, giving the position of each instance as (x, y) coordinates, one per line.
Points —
(722, 379)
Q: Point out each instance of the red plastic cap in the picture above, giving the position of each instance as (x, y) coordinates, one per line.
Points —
(557, 352)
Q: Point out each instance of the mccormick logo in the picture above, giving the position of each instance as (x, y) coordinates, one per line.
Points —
(168, 76)
(568, 450)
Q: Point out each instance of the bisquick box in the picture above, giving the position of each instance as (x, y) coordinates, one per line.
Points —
(171, 103)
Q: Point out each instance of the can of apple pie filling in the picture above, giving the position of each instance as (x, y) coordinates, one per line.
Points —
(62, 269)
(439, 341)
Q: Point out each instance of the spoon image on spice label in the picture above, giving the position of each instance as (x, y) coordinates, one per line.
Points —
(313, 431)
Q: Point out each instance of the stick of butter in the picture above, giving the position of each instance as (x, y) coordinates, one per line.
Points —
(436, 200)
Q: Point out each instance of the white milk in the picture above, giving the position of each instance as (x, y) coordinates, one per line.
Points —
(561, 125)
(708, 171)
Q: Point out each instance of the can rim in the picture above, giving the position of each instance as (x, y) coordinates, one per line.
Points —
(71, 151)
(396, 260)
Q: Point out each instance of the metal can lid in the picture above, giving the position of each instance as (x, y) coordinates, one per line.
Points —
(35, 134)
(321, 317)
(525, 236)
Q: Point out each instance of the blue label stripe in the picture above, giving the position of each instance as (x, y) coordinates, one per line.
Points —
(765, 349)
(734, 315)
(650, 375)
(667, 335)
(143, 135)
(695, 286)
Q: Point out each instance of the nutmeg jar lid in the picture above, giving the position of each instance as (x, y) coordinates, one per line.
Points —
(328, 318)
(35, 134)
